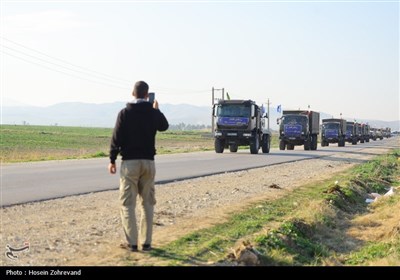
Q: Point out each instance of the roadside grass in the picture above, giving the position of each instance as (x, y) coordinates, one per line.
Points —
(317, 224)
(37, 143)
(377, 253)
(212, 244)
(380, 229)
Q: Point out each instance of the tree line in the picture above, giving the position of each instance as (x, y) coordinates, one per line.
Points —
(183, 126)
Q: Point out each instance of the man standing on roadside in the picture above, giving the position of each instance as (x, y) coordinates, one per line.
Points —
(134, 138)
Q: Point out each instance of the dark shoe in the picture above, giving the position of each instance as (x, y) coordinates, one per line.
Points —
(146, 247)
(126, 246)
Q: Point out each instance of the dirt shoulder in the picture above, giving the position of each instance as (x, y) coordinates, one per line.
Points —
(86, 229)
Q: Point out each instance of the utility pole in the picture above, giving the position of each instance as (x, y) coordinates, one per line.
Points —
(212, 111)
(268, 113)
(212, 103)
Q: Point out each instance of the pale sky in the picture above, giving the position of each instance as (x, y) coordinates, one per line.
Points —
(335, 56)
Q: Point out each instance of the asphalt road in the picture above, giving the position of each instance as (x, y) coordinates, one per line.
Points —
(28, 182)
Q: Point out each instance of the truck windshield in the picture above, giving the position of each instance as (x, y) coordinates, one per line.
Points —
(331, 126)
(349, 127)
(295, 119)
(234, 110)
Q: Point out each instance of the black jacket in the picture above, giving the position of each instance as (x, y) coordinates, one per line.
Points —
(135, 131)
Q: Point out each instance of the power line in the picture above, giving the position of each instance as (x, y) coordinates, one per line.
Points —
(66, 62)
(85, 79)
(181, 93)
(187, 90)
(55, 70)
(86, 71)
(56, 64)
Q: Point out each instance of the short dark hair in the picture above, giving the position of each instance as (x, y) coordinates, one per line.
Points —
(141, 89)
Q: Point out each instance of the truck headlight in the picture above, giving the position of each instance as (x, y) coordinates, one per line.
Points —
(302, 133)
(218, 133)
(247, 134)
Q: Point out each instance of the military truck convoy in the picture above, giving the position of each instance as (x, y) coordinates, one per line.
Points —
(376, 133)
(242, 123)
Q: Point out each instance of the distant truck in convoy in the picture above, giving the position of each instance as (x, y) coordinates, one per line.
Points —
(387, 132)
(240, 123)
(365, 131)
(376, 134)
(373, 133)
(298, 128)
(379, 133)
(351, 133)
(333, 131)
(359, 133)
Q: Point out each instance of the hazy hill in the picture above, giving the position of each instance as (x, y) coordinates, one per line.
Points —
(96, 115)
(104, 115)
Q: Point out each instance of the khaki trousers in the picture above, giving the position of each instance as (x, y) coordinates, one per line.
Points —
(137, 177)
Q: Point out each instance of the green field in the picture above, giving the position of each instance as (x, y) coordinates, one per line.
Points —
(33, 143)
(36, 143)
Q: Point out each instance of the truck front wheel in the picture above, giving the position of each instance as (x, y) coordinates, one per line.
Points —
(254, 145)
(341, 143)
(307, 144)
(282, 145)
(219, 146)
(265, 144)
(314, 142)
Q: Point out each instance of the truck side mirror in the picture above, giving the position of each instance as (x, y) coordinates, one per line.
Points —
(277, 121)
(253, 111)
(266, 115)
(215, 110)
